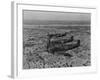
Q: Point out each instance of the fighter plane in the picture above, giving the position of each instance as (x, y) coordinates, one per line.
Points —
(57, 35)
(64, 47)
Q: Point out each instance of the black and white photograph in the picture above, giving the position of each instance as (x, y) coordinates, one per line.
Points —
(55, 39)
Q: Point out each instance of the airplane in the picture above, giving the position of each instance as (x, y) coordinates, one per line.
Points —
(64, 47)
(62, 40)
(56, 35)
(58, 41)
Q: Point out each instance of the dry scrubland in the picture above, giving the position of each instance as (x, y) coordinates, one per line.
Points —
(36, 56)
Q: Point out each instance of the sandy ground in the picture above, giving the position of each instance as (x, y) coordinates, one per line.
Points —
(36, 56)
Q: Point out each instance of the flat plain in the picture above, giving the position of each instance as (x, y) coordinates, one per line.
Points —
(35, 54)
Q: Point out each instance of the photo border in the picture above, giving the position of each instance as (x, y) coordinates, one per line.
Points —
(17, 25)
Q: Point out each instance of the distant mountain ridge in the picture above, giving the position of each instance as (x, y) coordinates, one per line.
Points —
(87, 27)
(57, 22)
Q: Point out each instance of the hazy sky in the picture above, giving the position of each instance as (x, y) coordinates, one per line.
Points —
(36, 17)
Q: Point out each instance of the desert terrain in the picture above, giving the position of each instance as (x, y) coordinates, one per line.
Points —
(35, 54)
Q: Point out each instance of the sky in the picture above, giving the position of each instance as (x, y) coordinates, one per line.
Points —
(47, 17)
